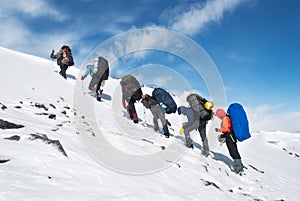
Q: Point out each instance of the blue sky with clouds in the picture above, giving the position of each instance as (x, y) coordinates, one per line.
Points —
(254, 44)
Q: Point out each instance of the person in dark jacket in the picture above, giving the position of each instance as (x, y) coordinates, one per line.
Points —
(64, 59)
(100, 76)
(158, 113)
(193, 124)
(228, 137)
(131, 92)
(203, 108)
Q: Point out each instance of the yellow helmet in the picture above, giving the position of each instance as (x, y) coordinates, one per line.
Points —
(209, 105)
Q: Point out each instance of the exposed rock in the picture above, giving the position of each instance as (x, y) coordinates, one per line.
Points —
(52, 116)
(38, 105)
(210, 183)
(3, 107)
(14, 137)
(45, 139)
(51, 105)
(4, 160)
(8, 125)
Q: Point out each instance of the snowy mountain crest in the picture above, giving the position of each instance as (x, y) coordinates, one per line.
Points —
(50, 121)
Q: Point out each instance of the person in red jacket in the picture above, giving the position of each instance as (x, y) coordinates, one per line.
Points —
(228, 137)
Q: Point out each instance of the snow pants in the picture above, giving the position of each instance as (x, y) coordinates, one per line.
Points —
(231, 145)
(63, 69)
(159, 113)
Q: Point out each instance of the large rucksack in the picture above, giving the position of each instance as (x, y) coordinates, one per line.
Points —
(103, 68)
(162, 96)
(197, 102)
(131, 87)
(239, 121)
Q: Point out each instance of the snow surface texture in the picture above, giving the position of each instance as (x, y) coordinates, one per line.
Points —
(48, 159)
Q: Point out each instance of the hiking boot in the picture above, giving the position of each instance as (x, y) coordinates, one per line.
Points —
(189, 143)
(205, 147)
(135, 118)
(166, 131)
(99, 98)
(205, 153)
(237, 165)
(167, 135)
(188, 140)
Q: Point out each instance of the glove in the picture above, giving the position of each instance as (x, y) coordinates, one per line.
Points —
(124, 105)
(179, 110)
(52, 51)
(221, 139)
(181, 131)
(216, 129)
(82, 77)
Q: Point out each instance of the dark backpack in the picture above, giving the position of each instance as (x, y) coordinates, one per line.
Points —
(103, 69)
(239, 121)
(71, 61)
(131, 87)
(129, 83)
(197, 102)
(162, 96)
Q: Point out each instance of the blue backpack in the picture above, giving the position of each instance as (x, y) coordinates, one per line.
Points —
(162, 96)
(239, 121)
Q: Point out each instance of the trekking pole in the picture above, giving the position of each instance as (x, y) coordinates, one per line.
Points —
(145, 117)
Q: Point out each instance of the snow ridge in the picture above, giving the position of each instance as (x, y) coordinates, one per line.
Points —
(47, 159)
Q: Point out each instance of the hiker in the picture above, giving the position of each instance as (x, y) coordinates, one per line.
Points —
(64, 59)
(202, 126)
(89, 71)
(230, 139)
(131, 92)
(158, 113)
(190, 125)
(99, 76)
(203, 113)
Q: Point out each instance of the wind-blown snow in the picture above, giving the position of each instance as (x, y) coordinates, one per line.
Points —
(33, 94)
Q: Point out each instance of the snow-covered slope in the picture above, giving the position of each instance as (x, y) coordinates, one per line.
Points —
(60, 155)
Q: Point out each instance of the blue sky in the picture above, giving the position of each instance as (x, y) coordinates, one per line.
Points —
(254, 44)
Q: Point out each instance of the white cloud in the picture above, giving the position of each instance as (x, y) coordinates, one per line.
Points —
(17, 35)
(196, 16)
(162, 80)
(13, 32)
(265, 118)
(33, 8)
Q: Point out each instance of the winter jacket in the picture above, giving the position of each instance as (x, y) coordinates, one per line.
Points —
(89, 70)
(192, 116)
(149, 101)
(62, 57)
(225, 125)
